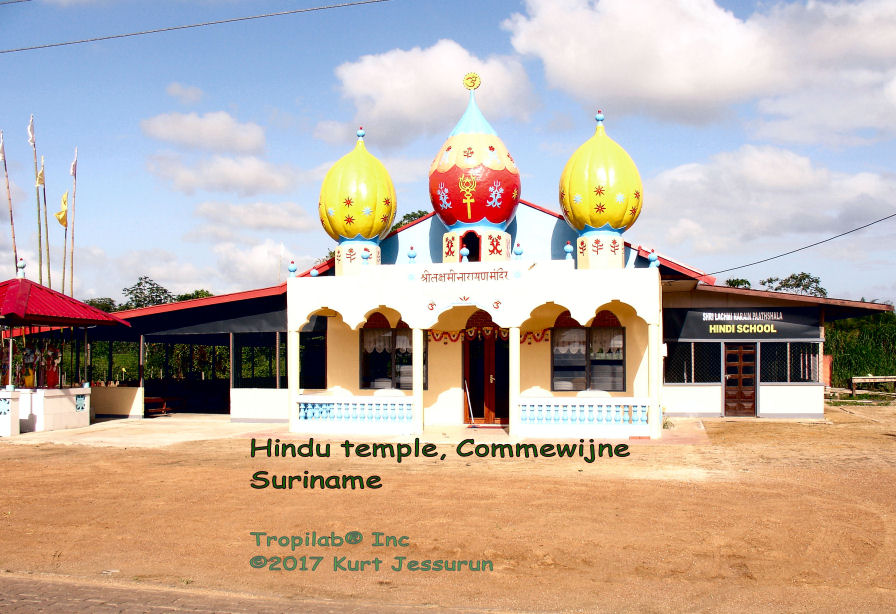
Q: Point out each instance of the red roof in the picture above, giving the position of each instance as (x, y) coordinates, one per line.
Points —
(25, 302)
(204, 302)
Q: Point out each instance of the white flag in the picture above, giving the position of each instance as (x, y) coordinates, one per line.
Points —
(2, 149)
(74, 170)
(31, 131)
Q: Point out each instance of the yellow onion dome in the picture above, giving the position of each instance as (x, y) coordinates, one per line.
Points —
(357, 199)
(600, 188)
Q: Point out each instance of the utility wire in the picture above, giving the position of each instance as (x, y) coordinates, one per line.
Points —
(799, 249)
(193, 25)
(13, 1)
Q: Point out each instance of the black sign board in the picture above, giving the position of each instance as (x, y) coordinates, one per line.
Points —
(717, 323)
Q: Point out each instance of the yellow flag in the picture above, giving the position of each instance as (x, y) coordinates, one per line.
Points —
(40, 178)
(62, 215)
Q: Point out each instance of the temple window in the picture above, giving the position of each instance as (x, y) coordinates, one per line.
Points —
(387, 355)
(313, 354)
(591, 358)
(471, 241)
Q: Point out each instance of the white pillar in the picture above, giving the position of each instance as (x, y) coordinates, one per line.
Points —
(514, 377)
(654, 380)
(293, 368)
(417, 348)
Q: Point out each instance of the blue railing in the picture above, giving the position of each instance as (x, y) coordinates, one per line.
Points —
(567, 411)
(356, 409)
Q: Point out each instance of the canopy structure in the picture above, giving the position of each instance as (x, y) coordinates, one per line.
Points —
(24, 302)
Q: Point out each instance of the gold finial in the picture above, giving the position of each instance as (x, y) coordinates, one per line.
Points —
(472, 81)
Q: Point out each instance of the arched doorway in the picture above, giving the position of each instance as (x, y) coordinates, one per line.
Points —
(486, 371)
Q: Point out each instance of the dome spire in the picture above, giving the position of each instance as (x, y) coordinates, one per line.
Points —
(357, 205)
(600, 195)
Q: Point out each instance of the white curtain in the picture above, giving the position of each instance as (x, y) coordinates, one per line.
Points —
(569, 341)
(377, 340)
(403, 342)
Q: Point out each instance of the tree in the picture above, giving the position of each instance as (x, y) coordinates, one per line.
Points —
(103, 303)
(201, 293)
(738, 282)
(145, 293)
(331, 253)
(796, 283)
(408, 218)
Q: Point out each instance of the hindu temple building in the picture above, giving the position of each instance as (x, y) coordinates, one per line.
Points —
(490, 310)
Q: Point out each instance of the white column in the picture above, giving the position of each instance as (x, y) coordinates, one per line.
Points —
(654, 380)
(293, 368)
(514, 377)
(417, 348)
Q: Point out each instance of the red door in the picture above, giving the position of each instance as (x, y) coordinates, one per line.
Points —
(740, 379)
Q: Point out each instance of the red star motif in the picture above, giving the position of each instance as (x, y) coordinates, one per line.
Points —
(562, 194)
(348, 201)
(638, 194)
(599, 190)
(632, 210)
(387, 201)
(491, 148)
(600, 208)
(349, 220)
(509, 157)
(385, 218)
(447, 149)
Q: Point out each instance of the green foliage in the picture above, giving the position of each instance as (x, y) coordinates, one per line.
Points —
(146, 293)
(796, 283)
(738, 282)
(408, 218)
(202, 293)
(861, 346)
(103, 303)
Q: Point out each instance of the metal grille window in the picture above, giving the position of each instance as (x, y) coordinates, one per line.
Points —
(804, 362)
(782, 362)
(693, 363)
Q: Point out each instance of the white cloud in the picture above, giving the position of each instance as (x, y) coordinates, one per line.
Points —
(753, 197)
(671, 59)
(820, 71)
(243, 175)
(257, 266)
(185, 94)
(402, 94)
(216, 131)
(258, 215)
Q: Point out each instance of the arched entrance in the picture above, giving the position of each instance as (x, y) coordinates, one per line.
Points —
(486, 371)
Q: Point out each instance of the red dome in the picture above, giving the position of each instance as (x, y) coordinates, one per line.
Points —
(474, 179)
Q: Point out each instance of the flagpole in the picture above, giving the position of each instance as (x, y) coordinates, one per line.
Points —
(71, 265)
(12, 226)
(40, 248)
(46, 227)
(64, 254)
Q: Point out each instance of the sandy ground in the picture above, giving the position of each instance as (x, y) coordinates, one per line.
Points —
(757, 515)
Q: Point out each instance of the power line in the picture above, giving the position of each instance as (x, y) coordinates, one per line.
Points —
(799, 249)
(193, 25)
(13, 1)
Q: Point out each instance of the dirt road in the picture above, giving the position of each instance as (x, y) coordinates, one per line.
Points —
(766, 516)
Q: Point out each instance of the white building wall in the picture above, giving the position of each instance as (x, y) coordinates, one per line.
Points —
(259, 405)
(693, 400)
(791, 401)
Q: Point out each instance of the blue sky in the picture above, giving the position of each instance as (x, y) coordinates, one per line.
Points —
(757, 127)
